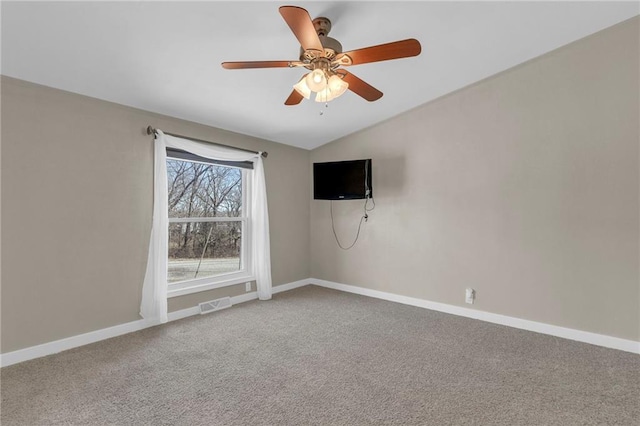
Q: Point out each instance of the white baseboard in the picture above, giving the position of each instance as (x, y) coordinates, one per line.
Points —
(49, 348)
(56, 346)
(183, 313)
(290, 286)
(538, 327)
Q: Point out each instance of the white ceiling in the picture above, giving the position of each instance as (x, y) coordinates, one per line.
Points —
(165, 56)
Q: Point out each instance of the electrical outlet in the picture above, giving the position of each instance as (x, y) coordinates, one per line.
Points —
(470, 296)
(247, 287)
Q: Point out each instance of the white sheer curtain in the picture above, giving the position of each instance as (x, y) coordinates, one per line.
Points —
(154, 290)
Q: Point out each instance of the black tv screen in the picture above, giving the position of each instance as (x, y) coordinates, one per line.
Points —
(342, 180)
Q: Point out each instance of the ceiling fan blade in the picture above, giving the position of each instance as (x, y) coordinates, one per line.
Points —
(255, 64)
(360, 87)
(294, 98)
(300, 23)
(384, 52)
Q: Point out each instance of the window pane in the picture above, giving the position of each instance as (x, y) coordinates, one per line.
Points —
(203, 190)
(203, 249)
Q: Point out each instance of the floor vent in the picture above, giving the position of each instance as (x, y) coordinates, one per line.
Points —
(215, 305)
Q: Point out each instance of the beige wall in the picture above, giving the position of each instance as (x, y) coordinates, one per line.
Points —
(77, 188)
(523, 186)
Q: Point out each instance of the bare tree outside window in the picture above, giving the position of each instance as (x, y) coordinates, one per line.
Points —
(205, 240)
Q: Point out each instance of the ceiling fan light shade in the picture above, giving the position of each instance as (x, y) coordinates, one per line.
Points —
(325, 95)
(302, 88)
(316, 80)
(337, 86)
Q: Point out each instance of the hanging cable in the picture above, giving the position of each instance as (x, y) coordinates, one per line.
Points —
(373, 207)
(364, 218)
(365, 211)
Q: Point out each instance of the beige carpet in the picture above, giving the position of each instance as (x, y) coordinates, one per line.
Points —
(314, 356)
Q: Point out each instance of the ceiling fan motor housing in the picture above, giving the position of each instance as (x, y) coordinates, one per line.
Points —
(322, 25)
(331, 46)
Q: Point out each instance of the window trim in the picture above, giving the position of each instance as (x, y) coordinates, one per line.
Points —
(245, 274)
(196, 288)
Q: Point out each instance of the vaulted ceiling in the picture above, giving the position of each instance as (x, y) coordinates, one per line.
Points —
(165, 56)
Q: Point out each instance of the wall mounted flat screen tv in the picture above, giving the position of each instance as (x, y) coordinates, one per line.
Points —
(342, 180)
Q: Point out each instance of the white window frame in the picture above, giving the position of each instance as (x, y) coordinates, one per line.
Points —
(245, 274)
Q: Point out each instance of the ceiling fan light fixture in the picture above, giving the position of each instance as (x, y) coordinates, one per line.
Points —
(325, 95)
(337, 86)
(302, 88)
(316, 80)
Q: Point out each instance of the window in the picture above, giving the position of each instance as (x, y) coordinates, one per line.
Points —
(208, 223)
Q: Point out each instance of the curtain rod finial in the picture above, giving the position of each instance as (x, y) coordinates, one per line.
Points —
(150, 130)
(265, 154)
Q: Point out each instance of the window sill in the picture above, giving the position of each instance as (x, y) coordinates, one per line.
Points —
(198, 287)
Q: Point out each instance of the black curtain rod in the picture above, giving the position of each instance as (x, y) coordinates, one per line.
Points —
(152, 131)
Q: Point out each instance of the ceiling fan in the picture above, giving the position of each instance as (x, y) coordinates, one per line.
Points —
(324, 58)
